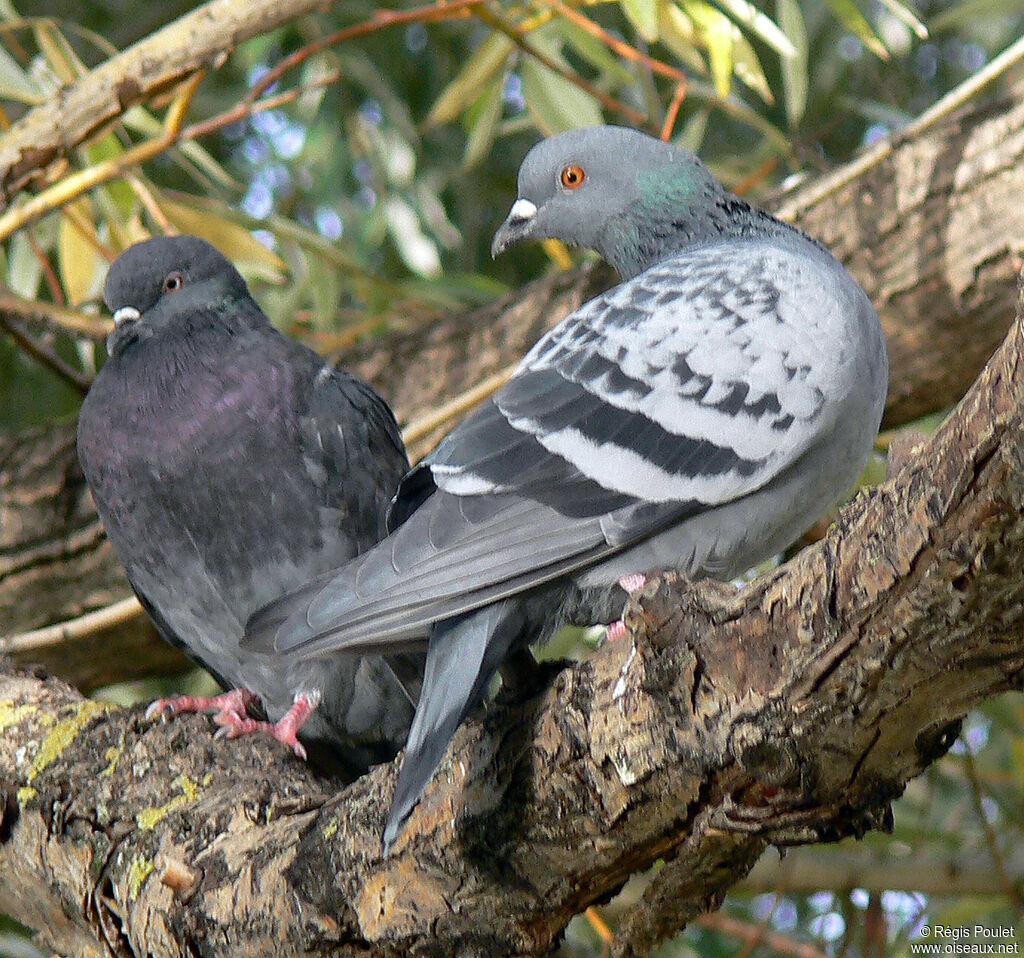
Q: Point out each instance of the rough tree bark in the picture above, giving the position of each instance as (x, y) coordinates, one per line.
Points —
(933, 233)
(793, 710)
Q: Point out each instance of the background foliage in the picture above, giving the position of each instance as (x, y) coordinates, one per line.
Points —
(360, 188)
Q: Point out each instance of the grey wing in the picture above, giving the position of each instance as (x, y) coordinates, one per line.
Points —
(354, 453)
(687, 387)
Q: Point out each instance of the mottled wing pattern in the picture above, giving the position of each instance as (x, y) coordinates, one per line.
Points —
(696, 381)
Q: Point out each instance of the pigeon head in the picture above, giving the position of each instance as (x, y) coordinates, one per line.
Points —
(632, 198)
(161, 283)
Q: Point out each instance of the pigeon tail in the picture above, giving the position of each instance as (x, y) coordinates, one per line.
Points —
(464, 654)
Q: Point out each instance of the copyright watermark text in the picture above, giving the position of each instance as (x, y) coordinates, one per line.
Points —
(966, 940)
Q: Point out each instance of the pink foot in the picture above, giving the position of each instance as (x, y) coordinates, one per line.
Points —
(234, 724)
(632, 584)
(235, 702)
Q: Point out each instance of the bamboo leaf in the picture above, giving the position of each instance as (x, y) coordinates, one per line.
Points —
(488, 60)
(854, 21)
(556, 103)
(719, 34)
(643, 14)
(58, 52)
(15, 83)
(795, 68)
(744, 12)
(679, 34)
(748, 68)
(234, 241)
(77, 258)
(482, 119)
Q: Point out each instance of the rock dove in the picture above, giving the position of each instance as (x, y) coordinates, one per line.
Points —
(229, 464)
(698, 416)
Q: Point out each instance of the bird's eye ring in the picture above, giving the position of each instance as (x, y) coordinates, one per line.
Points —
(173, 283)
(572, 176)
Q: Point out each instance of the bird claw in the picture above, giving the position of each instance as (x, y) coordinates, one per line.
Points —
(234, 725)
(632, 584)
(237, 701)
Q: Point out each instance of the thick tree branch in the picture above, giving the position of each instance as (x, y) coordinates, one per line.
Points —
(791, 711)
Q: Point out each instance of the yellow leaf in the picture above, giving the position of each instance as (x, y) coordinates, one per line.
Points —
(643, 14)
(59, 55)
(77, 258)
(719, 34)
(233, 240)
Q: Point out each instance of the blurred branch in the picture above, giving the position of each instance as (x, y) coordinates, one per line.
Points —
(753, 935)
(55, 317)
(42, 353)
(1010, 888)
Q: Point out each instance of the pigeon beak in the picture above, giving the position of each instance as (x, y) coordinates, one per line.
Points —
(124, 314)
(518, 225)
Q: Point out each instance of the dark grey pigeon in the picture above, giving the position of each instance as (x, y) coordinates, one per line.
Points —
(699, 416)
(229, 464)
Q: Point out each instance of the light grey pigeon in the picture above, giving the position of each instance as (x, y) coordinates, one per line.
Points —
(230, 464)
(699, 416)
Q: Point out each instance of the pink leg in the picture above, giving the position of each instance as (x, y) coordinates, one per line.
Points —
(235, 702)
(233, 724)
(632, 584)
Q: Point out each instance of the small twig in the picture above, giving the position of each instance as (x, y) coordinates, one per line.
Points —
(673, 109)
(517, 36)
(73, 186)
(427, 423)
(43, 354)
(85, 625)
(429, 13)
(88, 232)
(148, 200)
(602, 929)
(748, 933)
(622, 48)
(59, 317)
(999, 865)
(246, 107)
(49, 273)
(828, 185)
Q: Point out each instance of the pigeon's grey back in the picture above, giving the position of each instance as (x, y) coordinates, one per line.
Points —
(229, 465)
(699, 416)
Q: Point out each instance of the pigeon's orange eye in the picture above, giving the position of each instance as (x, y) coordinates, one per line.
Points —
(173, 283)
(572, 176)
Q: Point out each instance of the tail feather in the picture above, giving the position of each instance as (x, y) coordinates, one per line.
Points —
(464, 654)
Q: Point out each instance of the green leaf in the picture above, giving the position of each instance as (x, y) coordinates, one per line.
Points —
(748, 68)
(855, 22)
(744, 12)
(795, 68)
(234, 241)
(556, 103)
(489, 59)
(594, 51)
(679, 34)
(643, 14)
(15, 83)
(691, 136)
(719, 34)
(58, 52)
(24, 269)
(903, 13)
(482, 120)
